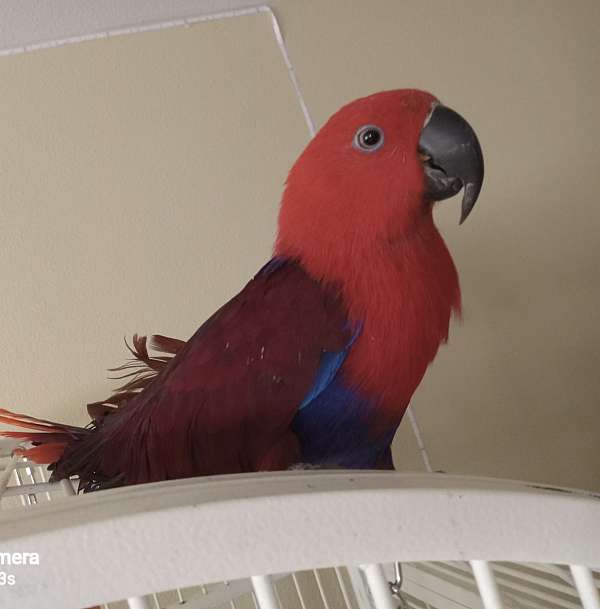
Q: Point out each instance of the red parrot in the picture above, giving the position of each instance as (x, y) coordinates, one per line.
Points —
(316, 359)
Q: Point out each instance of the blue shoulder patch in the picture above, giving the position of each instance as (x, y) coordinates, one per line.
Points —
(336, 430)
(328, 367)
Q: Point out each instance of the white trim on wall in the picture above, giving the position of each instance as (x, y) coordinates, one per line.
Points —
(184, 22)
(25, 23)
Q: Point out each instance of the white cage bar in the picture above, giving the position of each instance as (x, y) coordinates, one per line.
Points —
(132, 542)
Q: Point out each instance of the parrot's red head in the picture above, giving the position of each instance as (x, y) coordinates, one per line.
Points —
(357, 213)
(372, 172)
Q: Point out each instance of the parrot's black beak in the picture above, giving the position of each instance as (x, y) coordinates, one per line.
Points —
(452, 158)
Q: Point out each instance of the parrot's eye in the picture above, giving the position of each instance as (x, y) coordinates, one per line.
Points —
(368, 138)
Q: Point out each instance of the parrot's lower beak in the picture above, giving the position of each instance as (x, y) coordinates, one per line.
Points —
(452, 158)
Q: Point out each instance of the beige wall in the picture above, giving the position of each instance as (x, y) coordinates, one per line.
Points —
(140, 176)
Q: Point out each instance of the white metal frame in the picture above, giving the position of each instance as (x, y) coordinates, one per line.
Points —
(128, 542)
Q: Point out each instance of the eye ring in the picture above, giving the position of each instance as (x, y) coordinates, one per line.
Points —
(368, 138)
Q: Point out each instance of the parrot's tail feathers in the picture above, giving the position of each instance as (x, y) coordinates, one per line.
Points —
(141, 370)
(45, 453)
(24, 420)
(48, 439)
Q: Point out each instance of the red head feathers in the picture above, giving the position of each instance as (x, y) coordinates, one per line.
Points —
(343, 194)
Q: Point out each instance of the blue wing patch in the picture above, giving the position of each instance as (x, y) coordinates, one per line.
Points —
(328, 368)
(333, 422)
(335, 429)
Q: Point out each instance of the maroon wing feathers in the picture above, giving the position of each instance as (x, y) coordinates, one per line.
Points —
(225, 402)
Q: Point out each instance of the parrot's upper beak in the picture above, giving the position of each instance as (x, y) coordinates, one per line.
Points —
(452, 158)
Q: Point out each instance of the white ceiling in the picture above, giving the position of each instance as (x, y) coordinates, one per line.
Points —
(29, 22)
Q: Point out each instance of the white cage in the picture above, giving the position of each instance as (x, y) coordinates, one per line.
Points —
(317, 539)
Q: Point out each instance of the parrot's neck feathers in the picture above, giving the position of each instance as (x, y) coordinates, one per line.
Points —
(403, 293)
